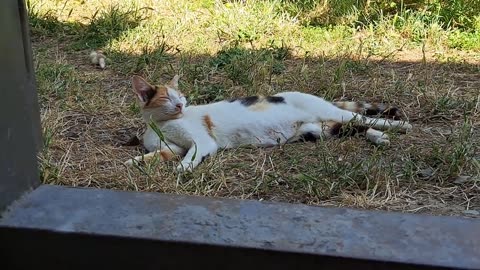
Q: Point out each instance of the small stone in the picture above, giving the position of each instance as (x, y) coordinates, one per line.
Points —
(462, 179)
(444, 132)
(409, 76)
(471, 212)
(425, 173)
(280, 181)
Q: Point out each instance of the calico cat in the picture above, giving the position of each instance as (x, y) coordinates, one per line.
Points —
(196, 132)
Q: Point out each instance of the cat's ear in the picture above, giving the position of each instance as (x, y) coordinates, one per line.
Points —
(174, 82)
(142, 88)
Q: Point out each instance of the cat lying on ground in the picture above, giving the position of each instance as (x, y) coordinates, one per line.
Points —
(196, 132)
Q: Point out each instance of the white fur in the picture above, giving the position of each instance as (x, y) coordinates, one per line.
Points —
(237, 125)
(98, 58)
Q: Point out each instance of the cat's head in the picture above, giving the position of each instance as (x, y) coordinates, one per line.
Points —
(159, 102)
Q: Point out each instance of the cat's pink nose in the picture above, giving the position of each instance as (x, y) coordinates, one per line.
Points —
(179, 106)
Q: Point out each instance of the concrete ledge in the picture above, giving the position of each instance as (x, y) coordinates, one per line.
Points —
(380, 237)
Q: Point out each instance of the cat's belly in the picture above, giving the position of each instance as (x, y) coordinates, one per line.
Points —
(261, 136)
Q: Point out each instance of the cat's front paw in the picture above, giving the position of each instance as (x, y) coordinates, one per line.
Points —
(131, 162)
(382, 141)
(185, 167)
(406, 127)
(128, 163)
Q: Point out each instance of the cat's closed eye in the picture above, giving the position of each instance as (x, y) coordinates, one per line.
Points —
(165, 98)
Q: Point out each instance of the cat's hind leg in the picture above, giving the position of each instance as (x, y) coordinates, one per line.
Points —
(324, 130)
(379, 110)
(377, 137)
(344, 116)
(325, 111)
(350, 129)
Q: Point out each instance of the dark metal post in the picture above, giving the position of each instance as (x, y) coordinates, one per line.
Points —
(19, 111)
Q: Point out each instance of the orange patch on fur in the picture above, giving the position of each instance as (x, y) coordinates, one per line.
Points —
(207, 121)
(349, 106)
(160, 97)
(162, 90)
(166, 155)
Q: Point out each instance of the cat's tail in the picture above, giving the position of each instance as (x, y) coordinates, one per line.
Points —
(370, 109)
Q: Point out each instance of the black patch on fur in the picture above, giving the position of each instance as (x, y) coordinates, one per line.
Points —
(358, 129)
(390, 113)
(275, 99)
(148, 95)
(372, 112)
(335, 130)
(246, 101)
(249, 101)
(309, 137)
(393, 113)
(134, 141)
(204, 157)
(341, 130)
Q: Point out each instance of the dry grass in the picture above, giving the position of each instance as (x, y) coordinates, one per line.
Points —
(88, 114)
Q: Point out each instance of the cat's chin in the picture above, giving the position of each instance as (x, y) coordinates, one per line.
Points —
(177, 115)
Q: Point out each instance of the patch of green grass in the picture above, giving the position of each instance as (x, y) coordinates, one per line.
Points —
(463, 14)
(462, 150)
(134, 108)
(453, 157)
(464, 40)
(457, 13)
(247, 67)
(446, 103)
(44, 22)
(48, 168)
(325, 34)
(323, 13)
(49, 171)
(103, 26)
(150, 55)
(251, 21)
(327, 174)
(206, 94)
(54, 79)
(107, 25)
